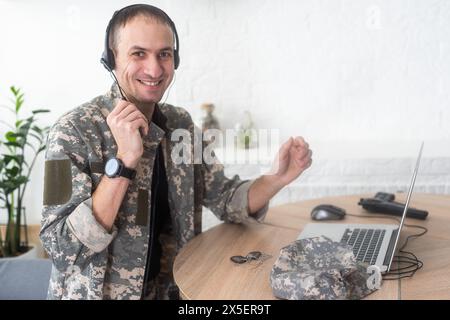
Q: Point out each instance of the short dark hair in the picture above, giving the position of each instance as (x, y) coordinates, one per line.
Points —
(125, 15)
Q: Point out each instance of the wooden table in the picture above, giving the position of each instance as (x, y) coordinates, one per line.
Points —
(203, 269)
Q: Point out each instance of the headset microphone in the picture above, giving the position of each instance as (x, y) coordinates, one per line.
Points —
(107, 67)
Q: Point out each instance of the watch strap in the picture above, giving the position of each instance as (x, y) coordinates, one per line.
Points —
(127, 172)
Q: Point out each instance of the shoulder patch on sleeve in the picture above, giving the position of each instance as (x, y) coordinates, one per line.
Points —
(57, 182)
(142, 208)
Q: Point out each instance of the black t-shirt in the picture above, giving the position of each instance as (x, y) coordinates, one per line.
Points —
(160, 212)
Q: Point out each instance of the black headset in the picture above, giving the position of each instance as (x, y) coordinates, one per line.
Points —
(108, 56)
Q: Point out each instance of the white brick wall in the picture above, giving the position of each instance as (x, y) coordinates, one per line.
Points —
(355, 171)
(362, 71)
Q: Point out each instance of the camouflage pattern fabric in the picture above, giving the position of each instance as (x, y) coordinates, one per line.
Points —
(89, 262)
(318, 268)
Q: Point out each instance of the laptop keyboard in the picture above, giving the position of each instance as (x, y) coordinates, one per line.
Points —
(366, 243)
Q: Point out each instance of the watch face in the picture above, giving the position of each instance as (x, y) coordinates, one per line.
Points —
(112, 166)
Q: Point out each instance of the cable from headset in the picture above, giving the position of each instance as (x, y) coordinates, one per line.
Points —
(170, 87)
(113, 76)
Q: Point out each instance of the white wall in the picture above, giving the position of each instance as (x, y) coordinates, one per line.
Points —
(333, 71)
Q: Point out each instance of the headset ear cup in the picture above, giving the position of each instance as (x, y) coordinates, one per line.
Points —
(104, 61)
(108, 60)
(176, 59)
(111, 61)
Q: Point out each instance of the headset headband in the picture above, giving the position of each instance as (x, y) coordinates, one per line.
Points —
(108, 56)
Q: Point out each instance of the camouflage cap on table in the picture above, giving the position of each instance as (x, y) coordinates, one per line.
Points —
(318, 268)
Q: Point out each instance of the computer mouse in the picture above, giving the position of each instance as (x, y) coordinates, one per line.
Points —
(327, 212)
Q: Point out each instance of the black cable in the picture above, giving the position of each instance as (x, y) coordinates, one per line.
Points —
(406, 271)
(425, 230)
(413, 262)
(117, 82)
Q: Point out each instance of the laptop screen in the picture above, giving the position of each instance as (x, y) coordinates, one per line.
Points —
(411, 187)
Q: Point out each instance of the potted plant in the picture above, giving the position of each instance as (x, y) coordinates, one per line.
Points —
(21, 139)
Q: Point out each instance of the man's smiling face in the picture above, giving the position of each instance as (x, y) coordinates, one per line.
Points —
(144, 59)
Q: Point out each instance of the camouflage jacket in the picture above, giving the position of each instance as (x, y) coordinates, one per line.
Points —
(88, 261)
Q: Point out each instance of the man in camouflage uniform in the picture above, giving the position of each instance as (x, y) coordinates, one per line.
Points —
(100, 230)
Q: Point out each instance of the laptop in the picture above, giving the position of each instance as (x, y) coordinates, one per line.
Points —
(374, 244)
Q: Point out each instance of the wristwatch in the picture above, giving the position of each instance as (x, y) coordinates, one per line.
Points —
(114, 168)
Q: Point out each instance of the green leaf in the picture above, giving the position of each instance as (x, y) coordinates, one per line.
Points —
(21, 180)
(13, 144)
(42, 148)
(9, 185)
(18, 123)
(23, 131)
(12, 172)
(40, 111)
(19, 134)
(37, 130)
(7, 159)
(17, 158)
(14, 90)
(35, 136)
(22, 143)
(19, 102)
(10, 136)
(28, 122)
